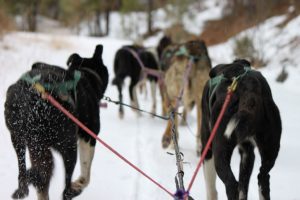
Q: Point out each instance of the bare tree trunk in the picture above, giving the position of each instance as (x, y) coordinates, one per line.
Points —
(150, 8)
(98, 28)
(107, 18)
(32, 16)
(56, 9)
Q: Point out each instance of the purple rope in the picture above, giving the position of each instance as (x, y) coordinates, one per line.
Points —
(147, 71)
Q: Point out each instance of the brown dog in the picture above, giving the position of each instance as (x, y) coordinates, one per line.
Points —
(178, 59)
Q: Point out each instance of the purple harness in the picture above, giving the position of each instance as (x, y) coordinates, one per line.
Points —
(145, 71)
(160, 75)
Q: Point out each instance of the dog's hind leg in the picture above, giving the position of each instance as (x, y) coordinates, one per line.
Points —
(268, 143)
(69, 154)
(133, 95)
(222, 154)
(167, 137)
(164, 99)
(86, 156)
(210, 179)
(121, 109)
(246, 150)
(41, 171)
(268, 157)
(20, 148)
(199, 125)
(153, 95)
(264, 177)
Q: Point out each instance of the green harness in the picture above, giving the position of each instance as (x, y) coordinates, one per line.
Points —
(182, 51)
(63, 88)
(216, 81)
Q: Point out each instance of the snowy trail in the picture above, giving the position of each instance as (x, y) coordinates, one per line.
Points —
(139, 139)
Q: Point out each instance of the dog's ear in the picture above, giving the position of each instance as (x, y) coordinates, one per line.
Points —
(74, 61)
(36, 65)
(98, 51)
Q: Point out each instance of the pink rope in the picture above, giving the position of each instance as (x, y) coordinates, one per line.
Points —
(91, 133)
(211, 137)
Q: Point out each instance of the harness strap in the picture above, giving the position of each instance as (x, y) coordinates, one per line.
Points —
(216, 81)
(183, 51)
(213, 85)
(145, 70)
(62, 88)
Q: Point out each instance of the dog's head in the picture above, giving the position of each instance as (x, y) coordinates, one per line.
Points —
(196, 48)
(75, 61)
(93, 65)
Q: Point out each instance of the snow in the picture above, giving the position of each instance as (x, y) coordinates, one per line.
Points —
(139, 138)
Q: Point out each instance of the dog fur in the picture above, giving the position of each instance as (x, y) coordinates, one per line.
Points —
(126, 65)
(37, 125)
(174, 80)
(251, 119)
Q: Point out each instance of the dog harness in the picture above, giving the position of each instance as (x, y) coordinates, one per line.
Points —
(183, 51)
(216, 81)
(63, 88)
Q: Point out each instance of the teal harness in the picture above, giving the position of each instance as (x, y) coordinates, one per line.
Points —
(182, 51)
(216, 81)
(62, 88)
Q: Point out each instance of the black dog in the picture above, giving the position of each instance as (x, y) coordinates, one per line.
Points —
(126, 65)
(36, 124)
(252, 118)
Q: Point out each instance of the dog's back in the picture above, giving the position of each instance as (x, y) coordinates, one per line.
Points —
(252, 97)
(23, 100)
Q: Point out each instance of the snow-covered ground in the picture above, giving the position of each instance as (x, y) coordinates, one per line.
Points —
(139, 139)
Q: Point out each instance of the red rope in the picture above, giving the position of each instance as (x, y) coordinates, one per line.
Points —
(211, 137)
(91, 133)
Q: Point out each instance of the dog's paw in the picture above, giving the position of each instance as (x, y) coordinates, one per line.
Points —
(121, 115)
(80, 183)
(198, 152)
(198, 146)
(20, 193)
(70, 193)
(153, 111)
(166, 140)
